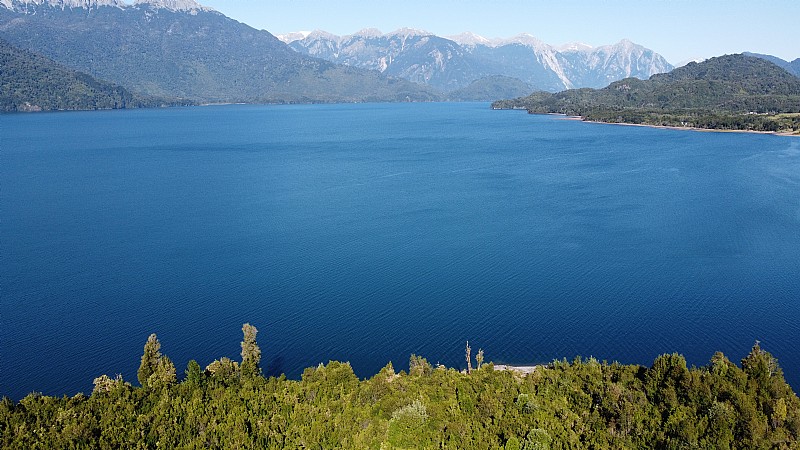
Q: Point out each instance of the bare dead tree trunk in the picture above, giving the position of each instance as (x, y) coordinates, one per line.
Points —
(469, 359)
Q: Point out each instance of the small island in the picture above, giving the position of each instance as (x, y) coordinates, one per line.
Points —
(583, 403)
(731, 92)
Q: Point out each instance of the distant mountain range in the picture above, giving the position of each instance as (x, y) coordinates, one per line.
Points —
(727, 92)
(455, 62)
(180, 49)
(32, 82)
(792, 67)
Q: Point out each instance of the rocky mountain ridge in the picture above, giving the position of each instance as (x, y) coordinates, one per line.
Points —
(172, 5)
(454, 62)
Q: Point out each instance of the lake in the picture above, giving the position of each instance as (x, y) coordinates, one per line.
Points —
(369, 232)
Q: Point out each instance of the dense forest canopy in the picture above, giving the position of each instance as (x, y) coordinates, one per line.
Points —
(732, 92)
(580, 404)
(31, 82)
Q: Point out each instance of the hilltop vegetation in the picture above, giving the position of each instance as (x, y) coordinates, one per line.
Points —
(792, 67)
(733, 92)
(29, 82)
(566, 405)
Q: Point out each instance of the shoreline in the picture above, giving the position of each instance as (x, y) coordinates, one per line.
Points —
(674, 127)
(524, 370)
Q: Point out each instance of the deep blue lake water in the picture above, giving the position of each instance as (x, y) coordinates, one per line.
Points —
(365, 233)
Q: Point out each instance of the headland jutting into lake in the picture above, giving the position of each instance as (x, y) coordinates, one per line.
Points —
(726, 93)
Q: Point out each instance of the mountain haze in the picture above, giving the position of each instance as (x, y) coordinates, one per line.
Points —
(178, 48)
(454, 63)
(492, 87)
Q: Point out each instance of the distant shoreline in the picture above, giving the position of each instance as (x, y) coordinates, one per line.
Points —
(669, 127)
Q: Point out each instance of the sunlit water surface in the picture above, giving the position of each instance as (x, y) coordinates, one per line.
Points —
(365, 233)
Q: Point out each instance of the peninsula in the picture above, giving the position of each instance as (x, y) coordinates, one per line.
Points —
(731, 92)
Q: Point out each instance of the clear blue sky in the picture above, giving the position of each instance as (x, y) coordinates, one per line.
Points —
(678, 29)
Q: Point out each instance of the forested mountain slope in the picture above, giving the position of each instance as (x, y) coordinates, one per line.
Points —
(792, 67)
(29, 82)
(727, 92)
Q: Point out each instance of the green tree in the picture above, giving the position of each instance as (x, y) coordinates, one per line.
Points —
(104, 383)
(779, 413)
(417, 365)
(251, 353)
(155, 370)
(760, 365)
(408, 427)
(513, 444)
(194, 375)
(537, 439)
(152, 353)
(224, 371)
(164, 375)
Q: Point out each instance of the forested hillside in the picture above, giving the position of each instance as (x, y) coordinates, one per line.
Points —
(29, 82)
(792, 67)
(576, 405)
(734, 92)
(490, 87)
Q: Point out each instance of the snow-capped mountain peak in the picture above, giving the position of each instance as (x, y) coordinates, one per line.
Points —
(293, 36)
(368, 33)
(456, 61)
(624, 59)
(625, 44)
(575, 47)
(408, 32)
(690, 60)
(173, 5)
(469, 39)
(61, 4)
(524, 39)
(190, 6)
(321, 34)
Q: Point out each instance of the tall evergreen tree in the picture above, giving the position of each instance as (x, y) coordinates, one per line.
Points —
(251, 353)
(194, 375)
(155, 370)
(164, 374)
(149, 364)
